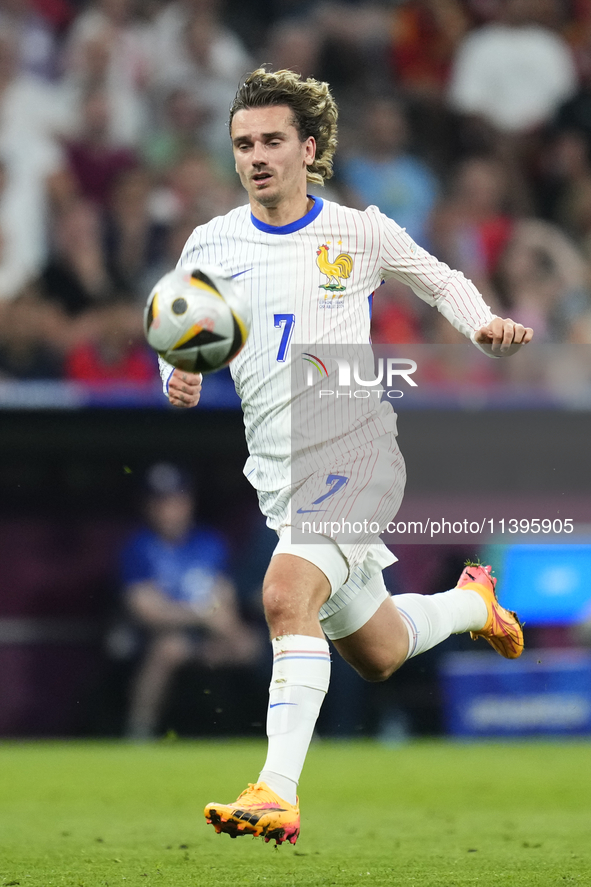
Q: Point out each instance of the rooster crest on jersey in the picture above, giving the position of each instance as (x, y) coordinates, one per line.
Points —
(335, 271)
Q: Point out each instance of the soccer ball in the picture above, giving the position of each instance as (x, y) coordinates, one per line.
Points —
(197, 319)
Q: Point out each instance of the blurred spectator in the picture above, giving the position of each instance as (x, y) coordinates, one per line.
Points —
(425, 36)
(385, 174)
(35, 31)
(225, 51)
(30, 106)
(293, 44)
(15, 264)
(544, 280)
(175, 239)
(92, 155)
(574, 115)
(514, 72)
(472, 225)
(354, 49)
(195, 51)
(195, 187)
(115, 350)
(577, 31)
(109, 47)
(176, 130)
(565, 189)
(31, 116)
(134, 241)
(177, 591)
(76, 278)
(24, 351)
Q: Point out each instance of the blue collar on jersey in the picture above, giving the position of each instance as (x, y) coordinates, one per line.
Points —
(293, 226)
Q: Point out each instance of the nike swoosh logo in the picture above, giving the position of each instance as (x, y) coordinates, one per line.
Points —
(238, 273)
(310, 510)
(275, 704)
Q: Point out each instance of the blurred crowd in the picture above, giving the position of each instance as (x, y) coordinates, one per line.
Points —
(467, 121)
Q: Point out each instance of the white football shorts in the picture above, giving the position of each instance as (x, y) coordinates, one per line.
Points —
(333, 519)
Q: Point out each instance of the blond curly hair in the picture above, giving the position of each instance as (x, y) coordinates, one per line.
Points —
(314, 109)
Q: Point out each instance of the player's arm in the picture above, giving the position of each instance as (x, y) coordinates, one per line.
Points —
(450, 292)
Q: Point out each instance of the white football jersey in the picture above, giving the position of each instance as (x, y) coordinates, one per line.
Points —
(311, 283)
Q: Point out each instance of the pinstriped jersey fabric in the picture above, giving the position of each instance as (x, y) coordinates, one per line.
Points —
(309, 283)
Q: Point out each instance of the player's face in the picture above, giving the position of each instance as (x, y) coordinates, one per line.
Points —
(271, 160)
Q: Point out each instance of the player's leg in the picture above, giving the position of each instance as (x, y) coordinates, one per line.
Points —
(294, 590)
(408, 624)
(379, 647)
(302, 575)
(378, 643)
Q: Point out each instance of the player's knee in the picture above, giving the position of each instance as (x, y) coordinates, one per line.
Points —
(376, 674)
(278, 601)
(286, 608)
(378, 669)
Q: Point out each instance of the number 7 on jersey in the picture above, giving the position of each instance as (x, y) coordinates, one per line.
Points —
(286, 321)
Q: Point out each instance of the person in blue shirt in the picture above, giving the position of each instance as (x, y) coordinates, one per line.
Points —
(176, 589)
(387, 175)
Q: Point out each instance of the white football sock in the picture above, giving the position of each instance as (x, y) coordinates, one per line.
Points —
(431, 618)
(300, 678)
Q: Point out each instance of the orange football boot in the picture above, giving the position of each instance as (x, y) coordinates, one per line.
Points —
(502, 629)
(258, 812)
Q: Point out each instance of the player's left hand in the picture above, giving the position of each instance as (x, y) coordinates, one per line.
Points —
(503, 336)
(184, 389)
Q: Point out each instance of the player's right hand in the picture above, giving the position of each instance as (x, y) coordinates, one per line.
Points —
(184, 389)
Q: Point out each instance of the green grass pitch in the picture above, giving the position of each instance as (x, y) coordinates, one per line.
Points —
(435, 814)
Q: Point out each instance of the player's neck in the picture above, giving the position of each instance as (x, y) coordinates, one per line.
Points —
(284, 213)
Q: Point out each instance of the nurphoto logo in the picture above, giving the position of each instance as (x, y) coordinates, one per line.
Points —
(387, 370)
